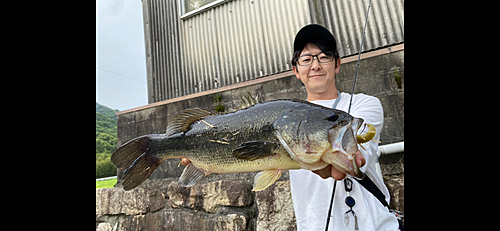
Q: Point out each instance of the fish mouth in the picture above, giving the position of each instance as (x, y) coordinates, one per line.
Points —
(344, 148)
(344, 163)
(356, 172)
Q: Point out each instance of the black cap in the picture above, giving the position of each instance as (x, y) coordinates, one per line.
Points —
(316, 34)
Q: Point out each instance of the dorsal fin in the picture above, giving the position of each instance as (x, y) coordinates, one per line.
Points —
(247, 100)
(184, 119)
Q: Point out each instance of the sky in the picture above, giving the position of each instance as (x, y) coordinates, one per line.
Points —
(121, 81)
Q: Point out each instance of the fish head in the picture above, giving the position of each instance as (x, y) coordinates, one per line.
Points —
(316, 138)
(306, 135)
(304, 138)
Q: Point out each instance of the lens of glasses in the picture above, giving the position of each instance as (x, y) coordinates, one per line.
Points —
(323, 57)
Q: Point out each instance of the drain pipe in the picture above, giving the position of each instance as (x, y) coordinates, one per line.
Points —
(392, 148)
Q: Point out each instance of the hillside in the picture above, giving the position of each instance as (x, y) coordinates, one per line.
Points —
(108, 112)
(105, 140)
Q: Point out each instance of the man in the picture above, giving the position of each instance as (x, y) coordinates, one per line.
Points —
(316, 62)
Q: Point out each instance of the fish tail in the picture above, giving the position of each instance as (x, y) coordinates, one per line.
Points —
(137, 160)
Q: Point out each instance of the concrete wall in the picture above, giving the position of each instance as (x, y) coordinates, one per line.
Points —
(225, 202)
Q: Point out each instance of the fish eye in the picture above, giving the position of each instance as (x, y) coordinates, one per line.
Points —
(333, 117)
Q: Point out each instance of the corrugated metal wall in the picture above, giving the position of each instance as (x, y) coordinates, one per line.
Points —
(246, 39)
(163, 48)
(239, 41)
(345, 19)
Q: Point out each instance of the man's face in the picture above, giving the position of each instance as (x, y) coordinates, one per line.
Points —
(318, 78)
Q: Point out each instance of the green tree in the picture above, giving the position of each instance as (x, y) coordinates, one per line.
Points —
(106, 140)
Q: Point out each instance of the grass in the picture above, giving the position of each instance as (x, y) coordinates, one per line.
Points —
(105, 183)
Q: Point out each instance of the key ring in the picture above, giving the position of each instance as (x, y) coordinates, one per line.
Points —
(348, 184)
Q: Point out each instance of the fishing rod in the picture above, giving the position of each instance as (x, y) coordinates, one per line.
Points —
(350, 104)
(359, 56)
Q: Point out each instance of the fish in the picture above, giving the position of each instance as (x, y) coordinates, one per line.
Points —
(268, 138)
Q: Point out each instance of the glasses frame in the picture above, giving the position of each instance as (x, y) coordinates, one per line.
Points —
(327, 53)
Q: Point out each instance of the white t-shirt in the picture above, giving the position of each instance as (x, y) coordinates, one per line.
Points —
(311, 194)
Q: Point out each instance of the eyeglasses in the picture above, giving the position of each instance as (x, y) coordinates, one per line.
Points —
(323, 57)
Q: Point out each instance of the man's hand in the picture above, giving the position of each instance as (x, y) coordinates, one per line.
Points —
(185, 161)
(330, 171)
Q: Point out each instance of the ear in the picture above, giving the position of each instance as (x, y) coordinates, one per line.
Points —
(337, 66)
(296, 72)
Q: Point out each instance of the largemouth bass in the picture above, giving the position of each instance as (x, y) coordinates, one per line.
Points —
(268, 137)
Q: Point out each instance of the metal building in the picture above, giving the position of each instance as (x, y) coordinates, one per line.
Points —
(198, 45)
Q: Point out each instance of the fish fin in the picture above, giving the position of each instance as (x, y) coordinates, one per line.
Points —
(253, 150)
(265, 178)
(133, 157)
(192, 175)
(247, 101)
(182, 121)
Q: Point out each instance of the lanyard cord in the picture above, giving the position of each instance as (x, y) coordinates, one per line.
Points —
(349, 110)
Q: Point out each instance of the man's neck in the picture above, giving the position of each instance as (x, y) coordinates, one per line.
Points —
(323, 96)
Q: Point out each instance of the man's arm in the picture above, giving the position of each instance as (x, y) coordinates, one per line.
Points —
(370, 110)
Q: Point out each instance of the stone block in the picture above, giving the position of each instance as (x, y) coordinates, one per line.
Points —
(112, 201)
(148, 221)
(182, 220)
(275, 208)
(212, 195)
(230, 222)
(104, 227)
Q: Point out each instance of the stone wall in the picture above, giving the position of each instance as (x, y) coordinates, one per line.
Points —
(216, 205)
(226, 202)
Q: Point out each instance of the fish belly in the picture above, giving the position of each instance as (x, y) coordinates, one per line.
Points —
(234, 165)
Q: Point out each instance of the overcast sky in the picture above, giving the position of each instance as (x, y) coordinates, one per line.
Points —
(120, 55)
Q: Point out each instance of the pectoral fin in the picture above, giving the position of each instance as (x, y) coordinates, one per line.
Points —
(253, 150)
(265, 178)
(192, 175)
